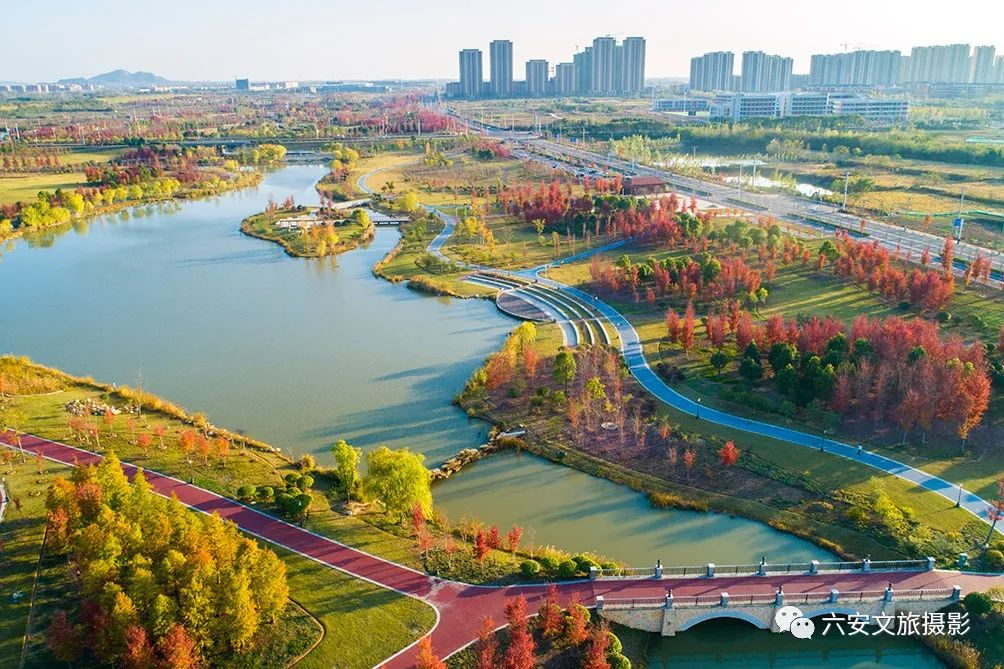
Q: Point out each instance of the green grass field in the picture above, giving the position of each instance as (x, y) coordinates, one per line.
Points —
(25, 187)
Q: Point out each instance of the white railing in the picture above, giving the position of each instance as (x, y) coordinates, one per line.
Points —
(723, 599)
(763, 569)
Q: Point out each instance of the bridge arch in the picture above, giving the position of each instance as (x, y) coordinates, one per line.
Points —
(724, 613)
(831, 610)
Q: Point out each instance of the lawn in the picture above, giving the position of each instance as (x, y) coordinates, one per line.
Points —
(21, 531)
(24, 187)
(344, 607)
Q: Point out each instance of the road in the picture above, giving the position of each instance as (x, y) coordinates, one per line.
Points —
(634, 358)
(780, 206)
(461, 607)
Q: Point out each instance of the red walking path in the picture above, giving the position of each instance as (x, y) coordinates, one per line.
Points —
(461, 607)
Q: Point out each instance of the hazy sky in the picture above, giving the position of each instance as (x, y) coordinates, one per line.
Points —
(334, 39)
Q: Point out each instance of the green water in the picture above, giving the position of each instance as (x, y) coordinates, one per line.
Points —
(300, 353)
(731, 643)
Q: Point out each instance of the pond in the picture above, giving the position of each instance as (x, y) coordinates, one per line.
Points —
(303, 352)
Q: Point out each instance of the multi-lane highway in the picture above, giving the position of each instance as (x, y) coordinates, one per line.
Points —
(780, 206)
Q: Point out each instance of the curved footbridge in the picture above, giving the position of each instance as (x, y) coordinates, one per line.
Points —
(873, 592)
(704, 592)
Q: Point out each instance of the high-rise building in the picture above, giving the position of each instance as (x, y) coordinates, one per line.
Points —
(536, 77)
(999, 70)
(604, 66)
(712, 71)
(982, 70)
(564, 79)
(583, 62)
(765, 73)
(945, 64)
(471, 73)
(857, 68)
(633, 65)
(243, 85)
(500, 59)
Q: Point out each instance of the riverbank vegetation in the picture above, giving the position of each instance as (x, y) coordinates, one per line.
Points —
(310, 232)
(553, 639)
(156, 583)
(581, 408)
(139, 176)
(166, 438)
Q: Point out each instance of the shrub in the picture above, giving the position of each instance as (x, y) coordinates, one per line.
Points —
(978, 603)
(567, 569)
(265, 493)
(618, 661)
(615, 647)
(943, 317)
(246, 493)
(549, 564)
(584, 562)
(307, 463)
(529, 568)
(995, 559)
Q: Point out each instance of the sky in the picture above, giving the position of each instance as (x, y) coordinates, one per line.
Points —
(195, 40)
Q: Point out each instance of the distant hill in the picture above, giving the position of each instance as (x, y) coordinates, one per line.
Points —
(121, 79)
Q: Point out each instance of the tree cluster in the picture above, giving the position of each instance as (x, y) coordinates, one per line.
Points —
(158, 586)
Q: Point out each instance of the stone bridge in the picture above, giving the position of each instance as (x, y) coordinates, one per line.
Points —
(677, 614)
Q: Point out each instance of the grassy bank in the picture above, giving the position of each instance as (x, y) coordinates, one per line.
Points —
(41, 395)
(847, 508)
(316, 242)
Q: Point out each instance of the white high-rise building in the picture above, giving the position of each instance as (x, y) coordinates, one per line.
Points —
(712, 71)
(632, 65)
(604, 57)
(982, 70)
(471, 73)
(564, 79)
(944, 64)
(765, 73)
(536, 77)
(857, 68)
(500, 73)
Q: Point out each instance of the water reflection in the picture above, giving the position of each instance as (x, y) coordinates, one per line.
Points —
(732, 643)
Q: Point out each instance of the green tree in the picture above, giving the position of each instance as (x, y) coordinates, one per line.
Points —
(564, 368)
(398, 479)
(347, 466)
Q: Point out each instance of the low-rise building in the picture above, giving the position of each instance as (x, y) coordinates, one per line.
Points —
(681, 104)
(742, 106)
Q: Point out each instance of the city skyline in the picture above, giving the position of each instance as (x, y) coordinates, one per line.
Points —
(313, 26)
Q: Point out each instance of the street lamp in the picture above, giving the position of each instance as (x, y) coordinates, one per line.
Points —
(847, 180)
(698, 408)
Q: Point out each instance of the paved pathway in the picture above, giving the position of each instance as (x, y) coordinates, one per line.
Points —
(631, 348)
(461, 607)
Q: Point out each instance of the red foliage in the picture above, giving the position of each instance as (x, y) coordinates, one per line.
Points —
(521, 652)
(728, 454)
(596, 654)
(488, 645)
(177, 649)
(575, 626)
(426, 658)
(549, 619)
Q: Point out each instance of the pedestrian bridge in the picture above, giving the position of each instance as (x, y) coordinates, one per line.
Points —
(669, 615)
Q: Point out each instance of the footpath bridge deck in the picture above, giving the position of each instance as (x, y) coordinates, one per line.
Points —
(460, 607)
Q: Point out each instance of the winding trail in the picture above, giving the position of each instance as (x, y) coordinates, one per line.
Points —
(634, 357)
(461, 607)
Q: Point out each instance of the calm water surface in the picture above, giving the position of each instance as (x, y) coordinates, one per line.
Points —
(301, 353)
(731, 643)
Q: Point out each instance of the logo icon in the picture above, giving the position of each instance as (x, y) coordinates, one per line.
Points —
(802, 628)
(785, 616)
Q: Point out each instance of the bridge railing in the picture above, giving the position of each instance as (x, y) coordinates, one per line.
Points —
(723, 599)
(764, 568)
(627, 572)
